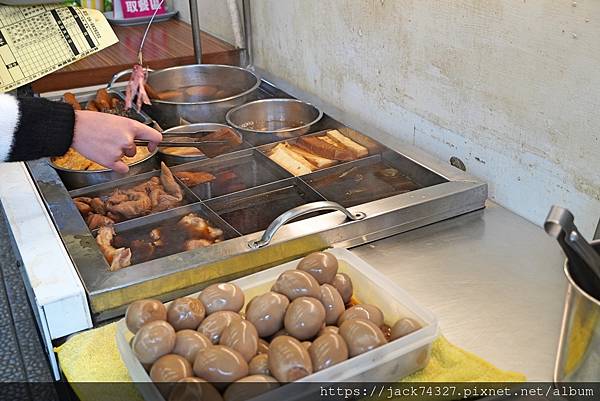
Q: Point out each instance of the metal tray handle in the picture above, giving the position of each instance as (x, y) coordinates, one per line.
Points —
(301, 211)
(120, 75)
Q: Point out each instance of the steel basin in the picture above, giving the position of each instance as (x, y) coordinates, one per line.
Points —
(237, 86)
(74, 179)
(271, 120)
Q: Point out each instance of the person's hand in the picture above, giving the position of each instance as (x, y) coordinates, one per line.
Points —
(105, 138)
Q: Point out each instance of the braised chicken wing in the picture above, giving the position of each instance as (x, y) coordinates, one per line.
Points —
(155, 195)
(141, 250)
(168, 182)
(98, 206)
(117, 197)
(163, 201)
(198, 228)
(193, 178)
(196, 243)
(195, 226)
(137, 204)
(94, 221)
(117, 257)
(83, 208)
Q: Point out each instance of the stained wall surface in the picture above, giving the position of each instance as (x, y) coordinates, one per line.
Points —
(214, 17)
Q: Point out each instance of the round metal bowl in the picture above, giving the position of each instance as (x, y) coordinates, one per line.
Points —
(172, 159)
(235, 86)
(271, 120)
(74, 179)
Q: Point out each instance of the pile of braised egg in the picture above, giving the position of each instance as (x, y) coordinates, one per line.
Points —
(207, 348)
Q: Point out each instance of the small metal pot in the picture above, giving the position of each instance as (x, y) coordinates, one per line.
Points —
(238, 86)
(171, 159)
(74, 179)
(271, 120)
(578, 357)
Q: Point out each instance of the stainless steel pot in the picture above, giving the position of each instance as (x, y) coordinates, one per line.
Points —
(74, 179)
(271, 120)
(238, 86)
(578, 357)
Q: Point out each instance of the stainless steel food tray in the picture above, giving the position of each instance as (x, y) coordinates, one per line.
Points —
(446, 192)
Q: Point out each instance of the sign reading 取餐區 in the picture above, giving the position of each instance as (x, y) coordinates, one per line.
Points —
(140, 8)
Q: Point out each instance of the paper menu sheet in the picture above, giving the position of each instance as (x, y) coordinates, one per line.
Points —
(37, 40)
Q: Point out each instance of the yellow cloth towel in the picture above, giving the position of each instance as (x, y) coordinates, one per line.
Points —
(92, 356)
(450, 363)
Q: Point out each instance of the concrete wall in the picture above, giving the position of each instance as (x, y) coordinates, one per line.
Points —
(510, 87)
(214, 17)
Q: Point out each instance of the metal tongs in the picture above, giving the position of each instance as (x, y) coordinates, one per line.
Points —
(584, 261)
(208, 148)
(181, 144)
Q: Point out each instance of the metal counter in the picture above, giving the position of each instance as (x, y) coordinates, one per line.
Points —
(493, 279)
(442, 192)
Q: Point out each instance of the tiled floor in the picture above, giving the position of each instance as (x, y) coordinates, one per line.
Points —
(22, 357)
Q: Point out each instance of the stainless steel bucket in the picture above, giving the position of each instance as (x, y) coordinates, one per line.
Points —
(578, 357)
(238, 86)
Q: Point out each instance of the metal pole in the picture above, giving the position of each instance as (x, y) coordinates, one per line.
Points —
(195, 21)
(248, 59)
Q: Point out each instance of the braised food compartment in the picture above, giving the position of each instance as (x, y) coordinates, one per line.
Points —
(153, 237)
(248, 204)
(320, 150)
(232, 173)
(370, 179)
(253, 210)
(130, 198)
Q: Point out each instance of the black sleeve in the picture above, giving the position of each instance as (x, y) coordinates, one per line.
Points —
(44, 129)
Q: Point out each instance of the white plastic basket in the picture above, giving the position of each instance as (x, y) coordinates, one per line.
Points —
(387, 363)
